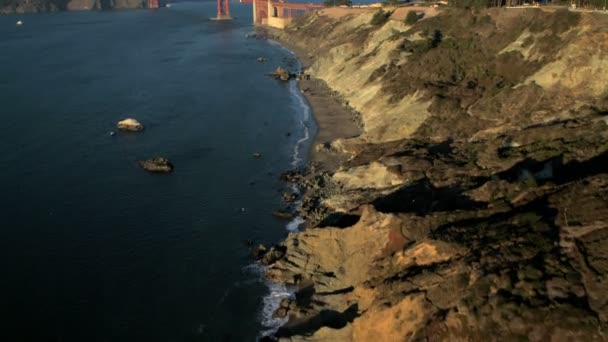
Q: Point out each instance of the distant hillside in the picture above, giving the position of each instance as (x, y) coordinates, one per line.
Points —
(34, 6)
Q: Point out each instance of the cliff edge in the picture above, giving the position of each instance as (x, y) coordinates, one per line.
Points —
(474, 205)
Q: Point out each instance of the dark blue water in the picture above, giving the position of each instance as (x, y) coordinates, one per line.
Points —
(92, 248)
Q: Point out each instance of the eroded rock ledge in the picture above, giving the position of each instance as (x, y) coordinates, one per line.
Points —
(485, 220)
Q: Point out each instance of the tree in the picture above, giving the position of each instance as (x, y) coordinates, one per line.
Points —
(330, 3)
(380, 17)
(411, 18)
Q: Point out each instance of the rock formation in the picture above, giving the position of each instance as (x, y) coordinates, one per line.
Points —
(130, 124)
(281, 74)
(157, 165)
(474, 207)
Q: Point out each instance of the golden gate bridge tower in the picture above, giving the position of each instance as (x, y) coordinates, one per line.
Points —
(223, 10)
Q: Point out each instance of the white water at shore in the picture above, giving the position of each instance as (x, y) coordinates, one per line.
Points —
(303, 108)
(279, 291)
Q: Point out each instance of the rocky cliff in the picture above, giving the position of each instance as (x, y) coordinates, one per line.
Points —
(474, 206)
(34, 6)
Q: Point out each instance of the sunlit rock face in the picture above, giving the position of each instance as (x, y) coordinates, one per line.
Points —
(474, 205)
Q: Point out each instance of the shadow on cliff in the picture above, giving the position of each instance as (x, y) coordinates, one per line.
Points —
(325, 318)
(339, 220)
(423, 198)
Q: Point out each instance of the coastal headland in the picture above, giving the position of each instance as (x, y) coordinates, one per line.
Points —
(462, 191)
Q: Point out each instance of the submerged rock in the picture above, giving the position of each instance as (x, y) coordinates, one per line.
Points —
(158, 164)
(282, 214)
(262, 59)
(130, 124)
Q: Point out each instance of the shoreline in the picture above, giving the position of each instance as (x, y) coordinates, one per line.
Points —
(333, 118)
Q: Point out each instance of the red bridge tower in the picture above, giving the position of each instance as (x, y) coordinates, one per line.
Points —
(223, 10)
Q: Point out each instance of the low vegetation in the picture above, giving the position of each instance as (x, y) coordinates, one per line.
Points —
(330, 3)
(411, 18)
(381, 17)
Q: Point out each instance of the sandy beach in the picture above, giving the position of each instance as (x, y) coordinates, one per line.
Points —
(333, 117)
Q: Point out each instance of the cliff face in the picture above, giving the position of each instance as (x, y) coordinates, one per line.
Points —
(479, 187)
(34, 6)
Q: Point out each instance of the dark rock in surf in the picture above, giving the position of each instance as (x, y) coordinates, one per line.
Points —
(156, 165)
(270, 256)
(282, 214)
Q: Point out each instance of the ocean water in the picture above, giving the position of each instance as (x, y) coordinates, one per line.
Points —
(92, 248)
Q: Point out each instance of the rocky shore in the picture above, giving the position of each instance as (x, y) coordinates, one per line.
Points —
(473, 203)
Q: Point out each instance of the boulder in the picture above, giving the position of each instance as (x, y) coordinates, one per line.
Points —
(130, 124)
(259, 252)
(272, 255)
(303, 77)
(281, 74)
(262, 59)
(158, 164)
(289, 197)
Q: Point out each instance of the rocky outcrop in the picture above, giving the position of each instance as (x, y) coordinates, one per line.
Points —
(282, 74)
(130, 125)
(156, 165)
(508, 248)
(475, 204)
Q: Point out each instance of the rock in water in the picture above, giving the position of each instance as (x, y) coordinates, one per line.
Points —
(282, 214)
(268, 256)
(262, 59)
(281, 74)
(289, 197)
(160, 165)
(130, 124)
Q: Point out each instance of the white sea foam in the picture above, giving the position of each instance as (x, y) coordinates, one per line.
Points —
(271, 302)
(278, 292)
(304, 110)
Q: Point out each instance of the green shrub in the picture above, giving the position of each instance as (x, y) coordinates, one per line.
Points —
(391, 3)
(330, 3)
(411, 18)
(471, 3)
(381, 17)
(422, 46)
